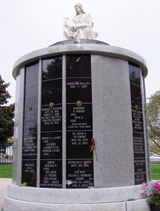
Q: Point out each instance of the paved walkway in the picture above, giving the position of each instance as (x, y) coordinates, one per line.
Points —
(3, 189)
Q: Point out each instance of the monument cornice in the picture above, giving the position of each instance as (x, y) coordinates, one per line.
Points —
(80, 48)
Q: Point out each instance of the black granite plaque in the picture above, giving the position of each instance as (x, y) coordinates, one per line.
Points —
(51, 118)
(79, 117)
(137, 120)
(52, 91)
(31, 96)
(78, 89)
(140, 171)
(134, 73)
(136, 96)
(30, 120)
(52, 68)
(51, 145)
(51, 174)
(78, 144)
(32, 74)
(79, 174)
(29, 169)
(29, 149)
(138, 144)
(78, 66)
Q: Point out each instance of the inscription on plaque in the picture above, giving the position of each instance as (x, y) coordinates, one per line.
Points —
(79, 117)
(78, 143)
(30, 120)
(137, 121)
(80, 174)
(51, 118)
(51, 145)
(138, 143)
(29, 172)
(140, 171)
(51, 174)
(78, 89)
(29, 146)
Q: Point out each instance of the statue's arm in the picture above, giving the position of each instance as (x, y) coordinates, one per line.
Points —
(79, 26)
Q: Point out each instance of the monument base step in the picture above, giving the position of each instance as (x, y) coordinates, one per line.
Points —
(17, 205)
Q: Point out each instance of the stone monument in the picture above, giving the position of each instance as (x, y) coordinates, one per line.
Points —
(80, 137)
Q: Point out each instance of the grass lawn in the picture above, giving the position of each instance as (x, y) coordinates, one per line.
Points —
(155, 171)
(6, 171)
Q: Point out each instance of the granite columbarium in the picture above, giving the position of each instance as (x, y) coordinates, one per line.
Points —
(80, 136)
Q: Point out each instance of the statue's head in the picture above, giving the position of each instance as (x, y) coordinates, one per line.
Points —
(79, 8)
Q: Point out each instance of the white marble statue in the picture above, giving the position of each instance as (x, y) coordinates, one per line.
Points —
(81, 27)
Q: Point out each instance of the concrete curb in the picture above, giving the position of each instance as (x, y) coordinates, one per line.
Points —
(3, 190)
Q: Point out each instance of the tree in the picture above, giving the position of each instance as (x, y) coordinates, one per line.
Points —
(153, 110)
(6, 113)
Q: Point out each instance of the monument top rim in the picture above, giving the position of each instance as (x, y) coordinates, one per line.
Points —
(79, 41)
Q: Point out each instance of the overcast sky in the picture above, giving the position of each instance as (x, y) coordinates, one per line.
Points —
(28, 25)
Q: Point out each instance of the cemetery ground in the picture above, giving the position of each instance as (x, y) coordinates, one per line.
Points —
(6, 175)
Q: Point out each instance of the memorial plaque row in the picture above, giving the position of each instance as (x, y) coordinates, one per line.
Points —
(51, 124)
(137, 125)
(29, 144)
(79, 164)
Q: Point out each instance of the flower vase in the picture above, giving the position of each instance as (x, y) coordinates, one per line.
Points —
(155, 207)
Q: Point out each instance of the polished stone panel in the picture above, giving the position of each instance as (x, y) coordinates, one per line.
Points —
(78, 144)
(51, 145)
(29, 171)
(78, 89)
(52, 91)
(51, 118)
(51, 174)
(79, 174)
(78, 66)
(79, 117)
(52, 68)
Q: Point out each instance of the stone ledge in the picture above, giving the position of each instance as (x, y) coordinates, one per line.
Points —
(74, 196)
(16, 205)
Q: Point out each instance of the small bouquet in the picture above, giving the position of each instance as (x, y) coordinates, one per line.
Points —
(152, 192)
(93, 147)
(23, 184)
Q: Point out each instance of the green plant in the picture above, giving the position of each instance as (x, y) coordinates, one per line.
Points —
(152, 192)
(23, 184)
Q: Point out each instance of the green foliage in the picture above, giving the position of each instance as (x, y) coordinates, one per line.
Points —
(153, 111)
(6, 112)
(150, 200)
